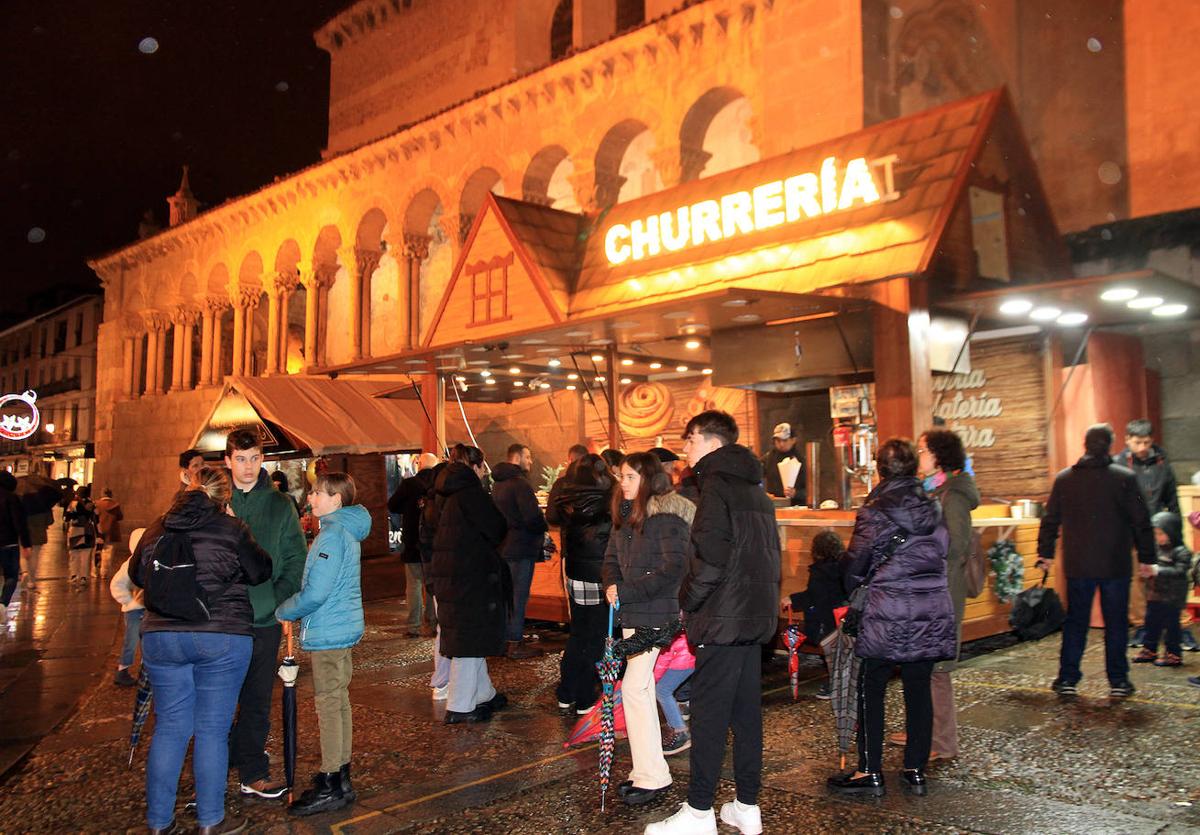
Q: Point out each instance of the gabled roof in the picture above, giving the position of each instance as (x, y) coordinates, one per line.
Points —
(552, 238)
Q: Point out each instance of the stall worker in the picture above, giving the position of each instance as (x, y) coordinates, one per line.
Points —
(784, 443)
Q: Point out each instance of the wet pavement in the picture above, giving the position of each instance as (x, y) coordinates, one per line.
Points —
(1030, 762)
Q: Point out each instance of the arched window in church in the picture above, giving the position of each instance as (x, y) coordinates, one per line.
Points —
(630, 13)
(562, 27)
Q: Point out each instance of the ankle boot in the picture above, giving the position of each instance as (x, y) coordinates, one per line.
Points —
(347, 789)
(325, 795)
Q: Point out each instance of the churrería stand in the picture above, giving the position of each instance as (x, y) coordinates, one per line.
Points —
(850, 288)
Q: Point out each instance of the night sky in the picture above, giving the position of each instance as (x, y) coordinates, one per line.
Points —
(93, 130)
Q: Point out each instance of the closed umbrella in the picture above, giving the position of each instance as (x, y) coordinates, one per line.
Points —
(793, 638)
(588, 727)
(141, 709)
(609, 667)
(288, 671)
(843, 685)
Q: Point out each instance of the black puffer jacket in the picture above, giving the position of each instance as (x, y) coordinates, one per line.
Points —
(730, 593)
(1102, 514)
(471, 582)
(585, 516)
(406, 502)
(14, 525)
(647, 566)
(1170, 584)
(427, 529)
(1155, 477)
(515, 498)
(227, 561)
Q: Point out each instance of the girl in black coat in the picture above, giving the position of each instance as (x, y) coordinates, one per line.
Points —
(583, 511)
(644, 566)
(471, 584)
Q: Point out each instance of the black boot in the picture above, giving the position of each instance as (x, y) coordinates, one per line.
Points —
(325, 795)
(347, 789)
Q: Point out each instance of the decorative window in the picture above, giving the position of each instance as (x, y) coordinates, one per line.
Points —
(489, 290)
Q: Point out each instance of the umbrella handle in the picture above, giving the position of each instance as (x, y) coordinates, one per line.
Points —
(612, 609)
(288, 629)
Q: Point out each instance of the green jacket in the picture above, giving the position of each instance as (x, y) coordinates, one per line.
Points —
(271, 517)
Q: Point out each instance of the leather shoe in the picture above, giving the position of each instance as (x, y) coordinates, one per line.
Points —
(624, 788)
(495, 703)
(265, 788)
(636, 795)
(169, 829)
(226, 827)
(871, 784)
(914, 781)
(481, 713)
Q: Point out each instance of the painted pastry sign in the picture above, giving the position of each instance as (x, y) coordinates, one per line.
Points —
(19, 416)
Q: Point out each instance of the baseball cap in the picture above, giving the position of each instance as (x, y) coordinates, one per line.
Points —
(782, 431)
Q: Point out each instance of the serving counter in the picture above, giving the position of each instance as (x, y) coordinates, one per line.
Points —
(985, 614)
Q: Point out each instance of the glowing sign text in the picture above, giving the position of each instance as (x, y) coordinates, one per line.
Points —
(762, 207)
(14, 425)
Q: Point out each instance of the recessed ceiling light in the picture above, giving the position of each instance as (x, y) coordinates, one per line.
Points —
(572, 376)
(485, 373)
(1119, 294)
(747, 317)
(478, 362)
(570, 388)
(1072, 319)
(414, 362)
(533, 341)
(625, 381)
(656, 365)
(601, 379)
(1044, 314)
(555, 363)
(1144, 303)
(597, 358)
(1015, 307)
(681, 368)
(491, 381)
(461, 379)
(518, 383)
(512, 356)
(692, 344)
(600, 341)
(514, 370)
(625, 325)
(544, 386)
(627, 361)
(1170, 310)
(578, 334)
(735, 303)
(647, 336)
(451, 356)
(706, 371)
(677, 314)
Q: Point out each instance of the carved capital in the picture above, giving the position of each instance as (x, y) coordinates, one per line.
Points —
(155, 321)
(284, 281)
(185, 314)
(596, 189)
(214, 304)
(322, 275)
(245, 297)
(691, 162)
(456, 227)
(367, 261)
(415, 246)
(667, 161)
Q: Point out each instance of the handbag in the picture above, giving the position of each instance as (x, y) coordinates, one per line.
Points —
(852, 620)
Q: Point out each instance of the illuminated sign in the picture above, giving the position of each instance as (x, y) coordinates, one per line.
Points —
(775, 203)
(19, 416)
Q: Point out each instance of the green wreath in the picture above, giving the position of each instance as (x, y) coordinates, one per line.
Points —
(1008, 567)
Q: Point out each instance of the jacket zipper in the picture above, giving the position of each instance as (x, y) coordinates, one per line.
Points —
(164, 566)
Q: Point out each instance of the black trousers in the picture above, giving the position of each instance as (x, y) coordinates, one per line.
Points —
(578, 682)
(248, 739)
(1162, 620)
(873, 676)
(10, 563)
(726, 694)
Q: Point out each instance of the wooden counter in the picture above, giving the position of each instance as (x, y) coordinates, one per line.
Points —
(985, 615)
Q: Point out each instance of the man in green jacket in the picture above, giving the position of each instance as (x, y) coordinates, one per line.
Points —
(272, 520)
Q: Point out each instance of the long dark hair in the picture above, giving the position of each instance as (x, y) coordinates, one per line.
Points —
(591, 471)
(472, 456)
(655, 482)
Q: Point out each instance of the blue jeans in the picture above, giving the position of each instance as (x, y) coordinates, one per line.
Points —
(196, 677)
(1114, 605)
(133, 630)
(664, 691)
(522, 579)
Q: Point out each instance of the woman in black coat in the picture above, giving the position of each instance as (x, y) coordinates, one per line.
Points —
(647, 556)
(583, 510)
(908, 618)
(471, 584)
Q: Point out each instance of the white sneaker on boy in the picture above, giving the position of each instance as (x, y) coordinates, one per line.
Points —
(747, 819)
(687, 821)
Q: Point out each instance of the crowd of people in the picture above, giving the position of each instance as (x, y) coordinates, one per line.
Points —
(684, 553)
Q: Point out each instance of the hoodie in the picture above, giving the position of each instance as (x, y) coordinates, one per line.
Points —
(515, 498)
(329, 603)
(730, 593)
(1170, 584)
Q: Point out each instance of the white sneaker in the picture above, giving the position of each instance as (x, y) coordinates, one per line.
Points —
(440, 694)
(687, 821)
(747, 819)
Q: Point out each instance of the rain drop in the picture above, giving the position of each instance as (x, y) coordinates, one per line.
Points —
(36, 235)
(281, 87)
(1094, 45)
(1109, 173)
(896, 12)
(148, 46)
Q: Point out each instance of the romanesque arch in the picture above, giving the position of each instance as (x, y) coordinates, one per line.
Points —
(294, 294)
(715, 134)
(379, 270)
(625, 167)
(547, 179)
(430, 252)
(329, 281)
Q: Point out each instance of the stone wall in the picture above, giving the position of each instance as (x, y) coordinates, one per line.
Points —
(1175, 357)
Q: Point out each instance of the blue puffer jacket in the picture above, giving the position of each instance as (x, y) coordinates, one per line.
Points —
(329, 602)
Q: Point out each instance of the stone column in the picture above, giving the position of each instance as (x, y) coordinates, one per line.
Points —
(136, 378)
(127, 366)
(160, 364)
(311, 308)
(285, 284)
(666, 158)
(206, 343)
(326, 277)
(151, 358)
(691, 162)
(251, 297)
(216, 306)
(190, 317)
(367, 262)
(177, 335)
(416, 250)
(239, 335)
(348, 257)
(595, 190)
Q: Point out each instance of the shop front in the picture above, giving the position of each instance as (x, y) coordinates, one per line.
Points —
(822, 288)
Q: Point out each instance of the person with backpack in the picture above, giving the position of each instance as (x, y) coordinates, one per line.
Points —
(196, 564)
(133, 609)
(80, 519)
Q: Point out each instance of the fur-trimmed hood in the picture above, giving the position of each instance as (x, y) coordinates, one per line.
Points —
(672, 503)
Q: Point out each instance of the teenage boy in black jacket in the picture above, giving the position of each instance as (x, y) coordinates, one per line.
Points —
(729, 598)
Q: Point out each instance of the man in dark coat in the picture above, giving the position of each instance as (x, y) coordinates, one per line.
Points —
(1102, 514)
(522, 546)
(406, 503)
(784, 446)
(472, 587)
(1149, 463)
(729, 597)
(14, 539)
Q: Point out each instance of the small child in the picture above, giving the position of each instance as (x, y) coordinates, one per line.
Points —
(674, 666)
(1166, 593)
(824, 593)
(329, 606)
(130, 597)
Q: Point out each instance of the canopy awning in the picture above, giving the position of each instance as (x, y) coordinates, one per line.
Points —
(316, 414)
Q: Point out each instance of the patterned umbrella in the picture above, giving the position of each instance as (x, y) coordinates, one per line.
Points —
(843, 679)
(793, 638)
(588, 727)
(288, 671)
(141, 709)
(609, 668)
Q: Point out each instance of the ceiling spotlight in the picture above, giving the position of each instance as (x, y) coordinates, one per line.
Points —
(491, 381)
(555, 363)
(625, 381)
(706, 371)
(627, 361)
(461, 379)
(1144, 303)
(692, 344)
(1072, 319)
(597, 358)
(1044, 314)
(656, 365)
(747, 317)
(572, 376)
(518, 383)
(1119, 294)
(544, 386)
(514, 370)
(601, 379)
(681, 368)
(1170, 310)
(485, 373)
(570, 388)
(1016, 307)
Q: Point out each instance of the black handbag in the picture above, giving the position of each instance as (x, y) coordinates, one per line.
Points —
(852, 620)
(1036, 612)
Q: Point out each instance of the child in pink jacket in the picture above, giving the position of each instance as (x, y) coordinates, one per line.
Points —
(673, 667)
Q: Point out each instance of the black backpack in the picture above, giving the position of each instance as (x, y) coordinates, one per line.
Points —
(172, 587)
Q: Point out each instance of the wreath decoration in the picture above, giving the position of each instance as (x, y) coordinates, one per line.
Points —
(1008, 567)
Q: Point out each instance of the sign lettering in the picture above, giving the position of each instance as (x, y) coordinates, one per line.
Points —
(19, 416)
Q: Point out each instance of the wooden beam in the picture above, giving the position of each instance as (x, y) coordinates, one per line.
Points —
(903, 378)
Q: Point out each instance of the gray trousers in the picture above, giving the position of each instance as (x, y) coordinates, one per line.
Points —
(470, 684)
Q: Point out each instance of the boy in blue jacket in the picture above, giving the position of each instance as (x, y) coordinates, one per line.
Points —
(329, 607)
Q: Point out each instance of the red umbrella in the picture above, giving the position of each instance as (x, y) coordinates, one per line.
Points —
(588, 726)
